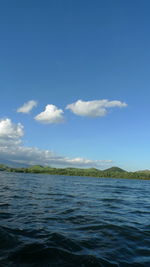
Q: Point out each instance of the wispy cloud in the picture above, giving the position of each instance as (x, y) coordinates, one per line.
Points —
(51, 114)
(95, 108)
(27, 107)
(12, 149)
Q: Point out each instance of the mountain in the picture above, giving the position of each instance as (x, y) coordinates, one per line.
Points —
(113, 172)
(14, 164)
(3, 167)
(114, 169)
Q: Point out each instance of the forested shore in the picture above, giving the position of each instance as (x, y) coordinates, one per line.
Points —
(113, 172)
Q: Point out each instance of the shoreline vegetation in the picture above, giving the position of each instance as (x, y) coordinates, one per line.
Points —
(113, 172)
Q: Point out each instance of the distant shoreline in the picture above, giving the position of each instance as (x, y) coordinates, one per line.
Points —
(113, 172)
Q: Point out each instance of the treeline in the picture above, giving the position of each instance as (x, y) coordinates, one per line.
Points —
(113, 172)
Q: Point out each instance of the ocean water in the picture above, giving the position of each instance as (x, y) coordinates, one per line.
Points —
(73, 221)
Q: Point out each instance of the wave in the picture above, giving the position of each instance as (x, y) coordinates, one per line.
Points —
(68, 222)
(56, 250)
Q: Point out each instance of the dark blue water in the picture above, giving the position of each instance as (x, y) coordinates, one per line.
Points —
(73, 221)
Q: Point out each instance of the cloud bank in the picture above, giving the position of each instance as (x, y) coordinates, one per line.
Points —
(12, 149)
(95, 108)
(27, 107)
(51, 114)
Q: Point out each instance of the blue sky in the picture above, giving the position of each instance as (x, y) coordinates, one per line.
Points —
(59, 52)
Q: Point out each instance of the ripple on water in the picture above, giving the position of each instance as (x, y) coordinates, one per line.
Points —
(73, 221)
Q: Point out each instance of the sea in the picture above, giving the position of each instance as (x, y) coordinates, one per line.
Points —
(51, 220)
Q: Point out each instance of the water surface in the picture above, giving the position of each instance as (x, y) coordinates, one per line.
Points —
(73, 221)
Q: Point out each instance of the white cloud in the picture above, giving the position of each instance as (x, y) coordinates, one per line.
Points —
(95, 108)
(27, 107)
(12, 149)
(9, 130)
(51, 114)
(83, 162)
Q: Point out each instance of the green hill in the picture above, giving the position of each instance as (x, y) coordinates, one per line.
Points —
(3, 167)
(113, 172)
(114, 169)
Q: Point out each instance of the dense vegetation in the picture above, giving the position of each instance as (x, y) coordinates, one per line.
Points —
(113, 172)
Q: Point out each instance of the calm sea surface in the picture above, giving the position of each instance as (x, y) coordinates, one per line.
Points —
(73, 221)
